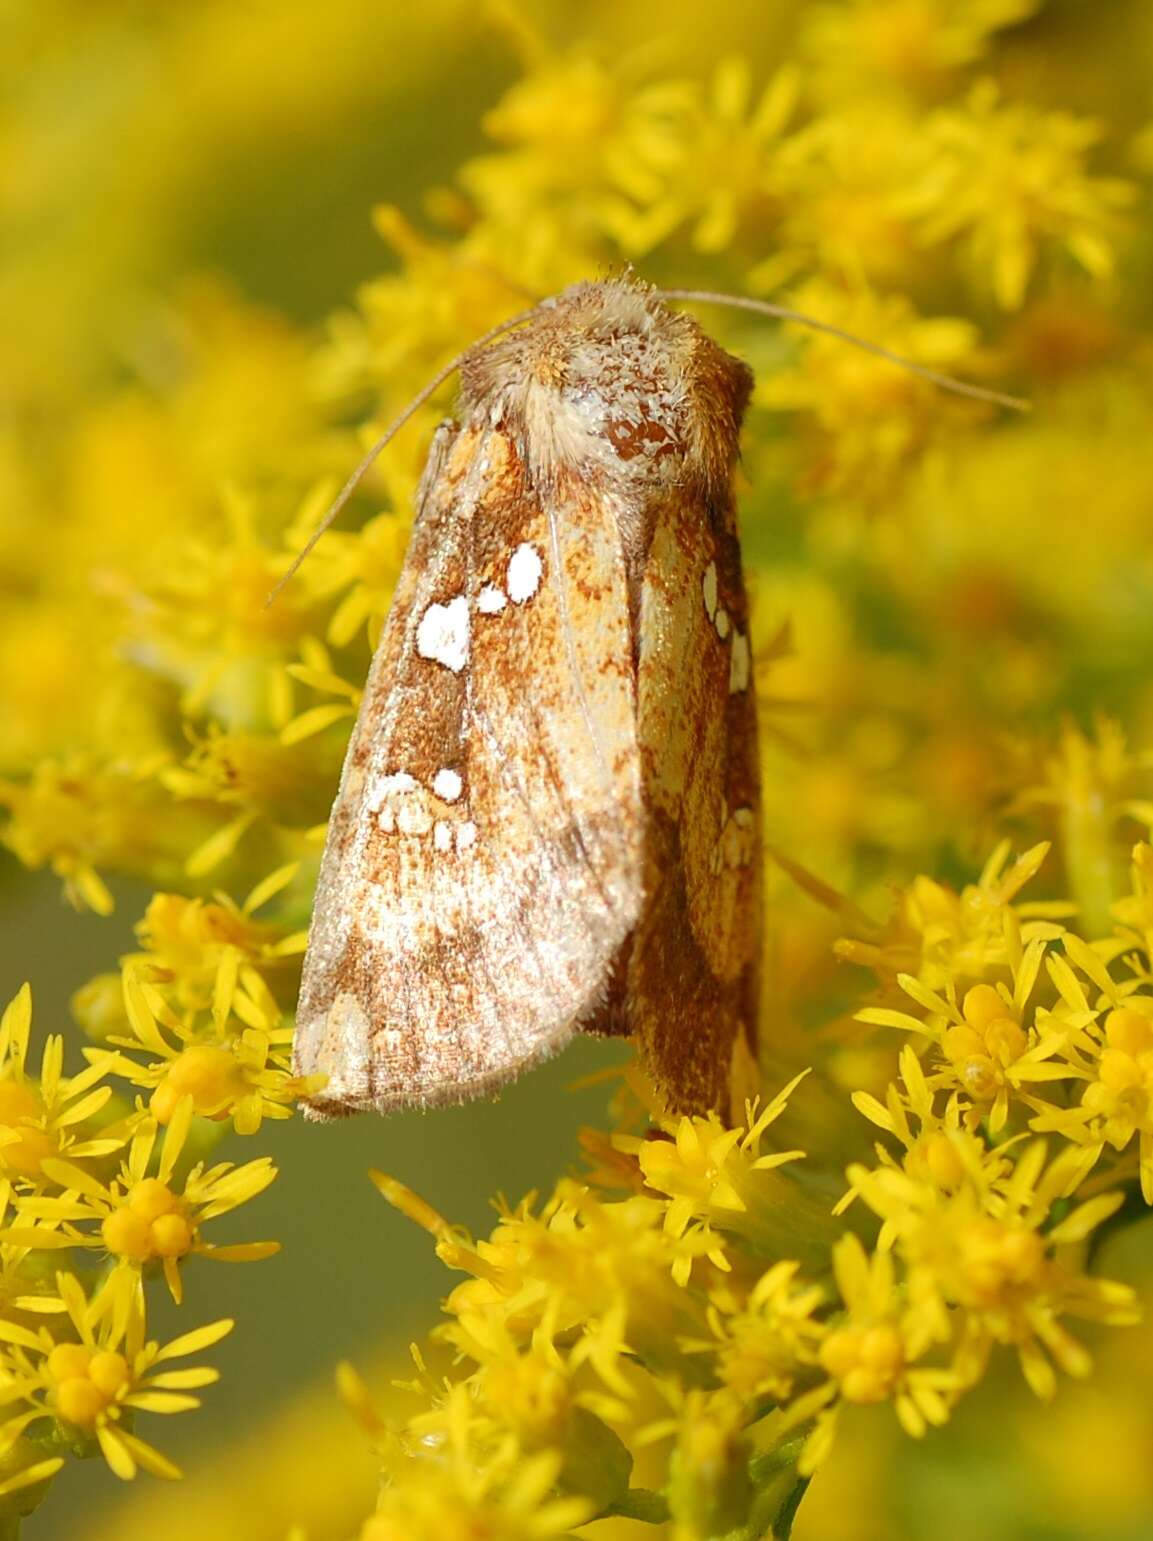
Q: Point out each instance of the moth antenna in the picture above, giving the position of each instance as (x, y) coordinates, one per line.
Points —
(785, 313)
(418, 401)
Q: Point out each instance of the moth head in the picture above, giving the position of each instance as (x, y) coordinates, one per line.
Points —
(613, 383)
(606, 383)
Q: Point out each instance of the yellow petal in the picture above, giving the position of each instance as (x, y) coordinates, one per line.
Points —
(116, 1452)
(193, 1342)
(40, 1472)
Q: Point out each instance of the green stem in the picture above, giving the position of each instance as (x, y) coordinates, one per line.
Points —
(783, 1528)
(778, 1488)
(639, 1503)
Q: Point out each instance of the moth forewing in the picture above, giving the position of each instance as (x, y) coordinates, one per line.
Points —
(548, 813)
(483, 860)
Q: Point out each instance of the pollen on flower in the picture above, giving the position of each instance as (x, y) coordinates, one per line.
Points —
(867, 1361)
(85, 1382)
(988, 1039)
(995, 1260)
(943, 1160)
(1120, 1094)
(148, 1224)
(21, 1114)
(205, 1072)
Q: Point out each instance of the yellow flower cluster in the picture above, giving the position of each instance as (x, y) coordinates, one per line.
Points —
(85, 1173)
(682, 1353)
(946, 600)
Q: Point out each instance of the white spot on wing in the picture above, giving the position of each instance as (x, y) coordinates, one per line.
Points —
(443, 634)
(465, 835)
(447, 785)
(721, 622)
(739, 664)
(491, 600)
(388, 786)
(709, 590)
(524, 572)
(442, 835)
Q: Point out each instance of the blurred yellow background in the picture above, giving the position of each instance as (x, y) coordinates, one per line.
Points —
(195, 182)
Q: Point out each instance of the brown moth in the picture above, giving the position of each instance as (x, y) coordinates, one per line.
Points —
(548, 819)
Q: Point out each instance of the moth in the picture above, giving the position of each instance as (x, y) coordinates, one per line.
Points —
(549, 815)
(548, 818)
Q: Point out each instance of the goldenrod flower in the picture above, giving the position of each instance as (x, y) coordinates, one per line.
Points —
(939, 1147)
(871, 45)
(941, 935)
(457, 1505)
(709, 1487)
(234, 770)
(838, 183)
(581, 138)
(715, 158)
(984, 1053)
(764, 1341)
(93, 1384)
(42, 1116)
(410, 324)
(188, 941)
(146, 1214)
(231, 1069)
(80, 816)
(599, 1271)
(208, 627)
(994, 1258)
(1134, 912)
(871, 1353)
(718, 1178)
(869, 418)
(363, 569)
(1121, 1096)
(1011, 179)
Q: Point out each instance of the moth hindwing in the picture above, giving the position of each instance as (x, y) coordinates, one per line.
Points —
(549, 816)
